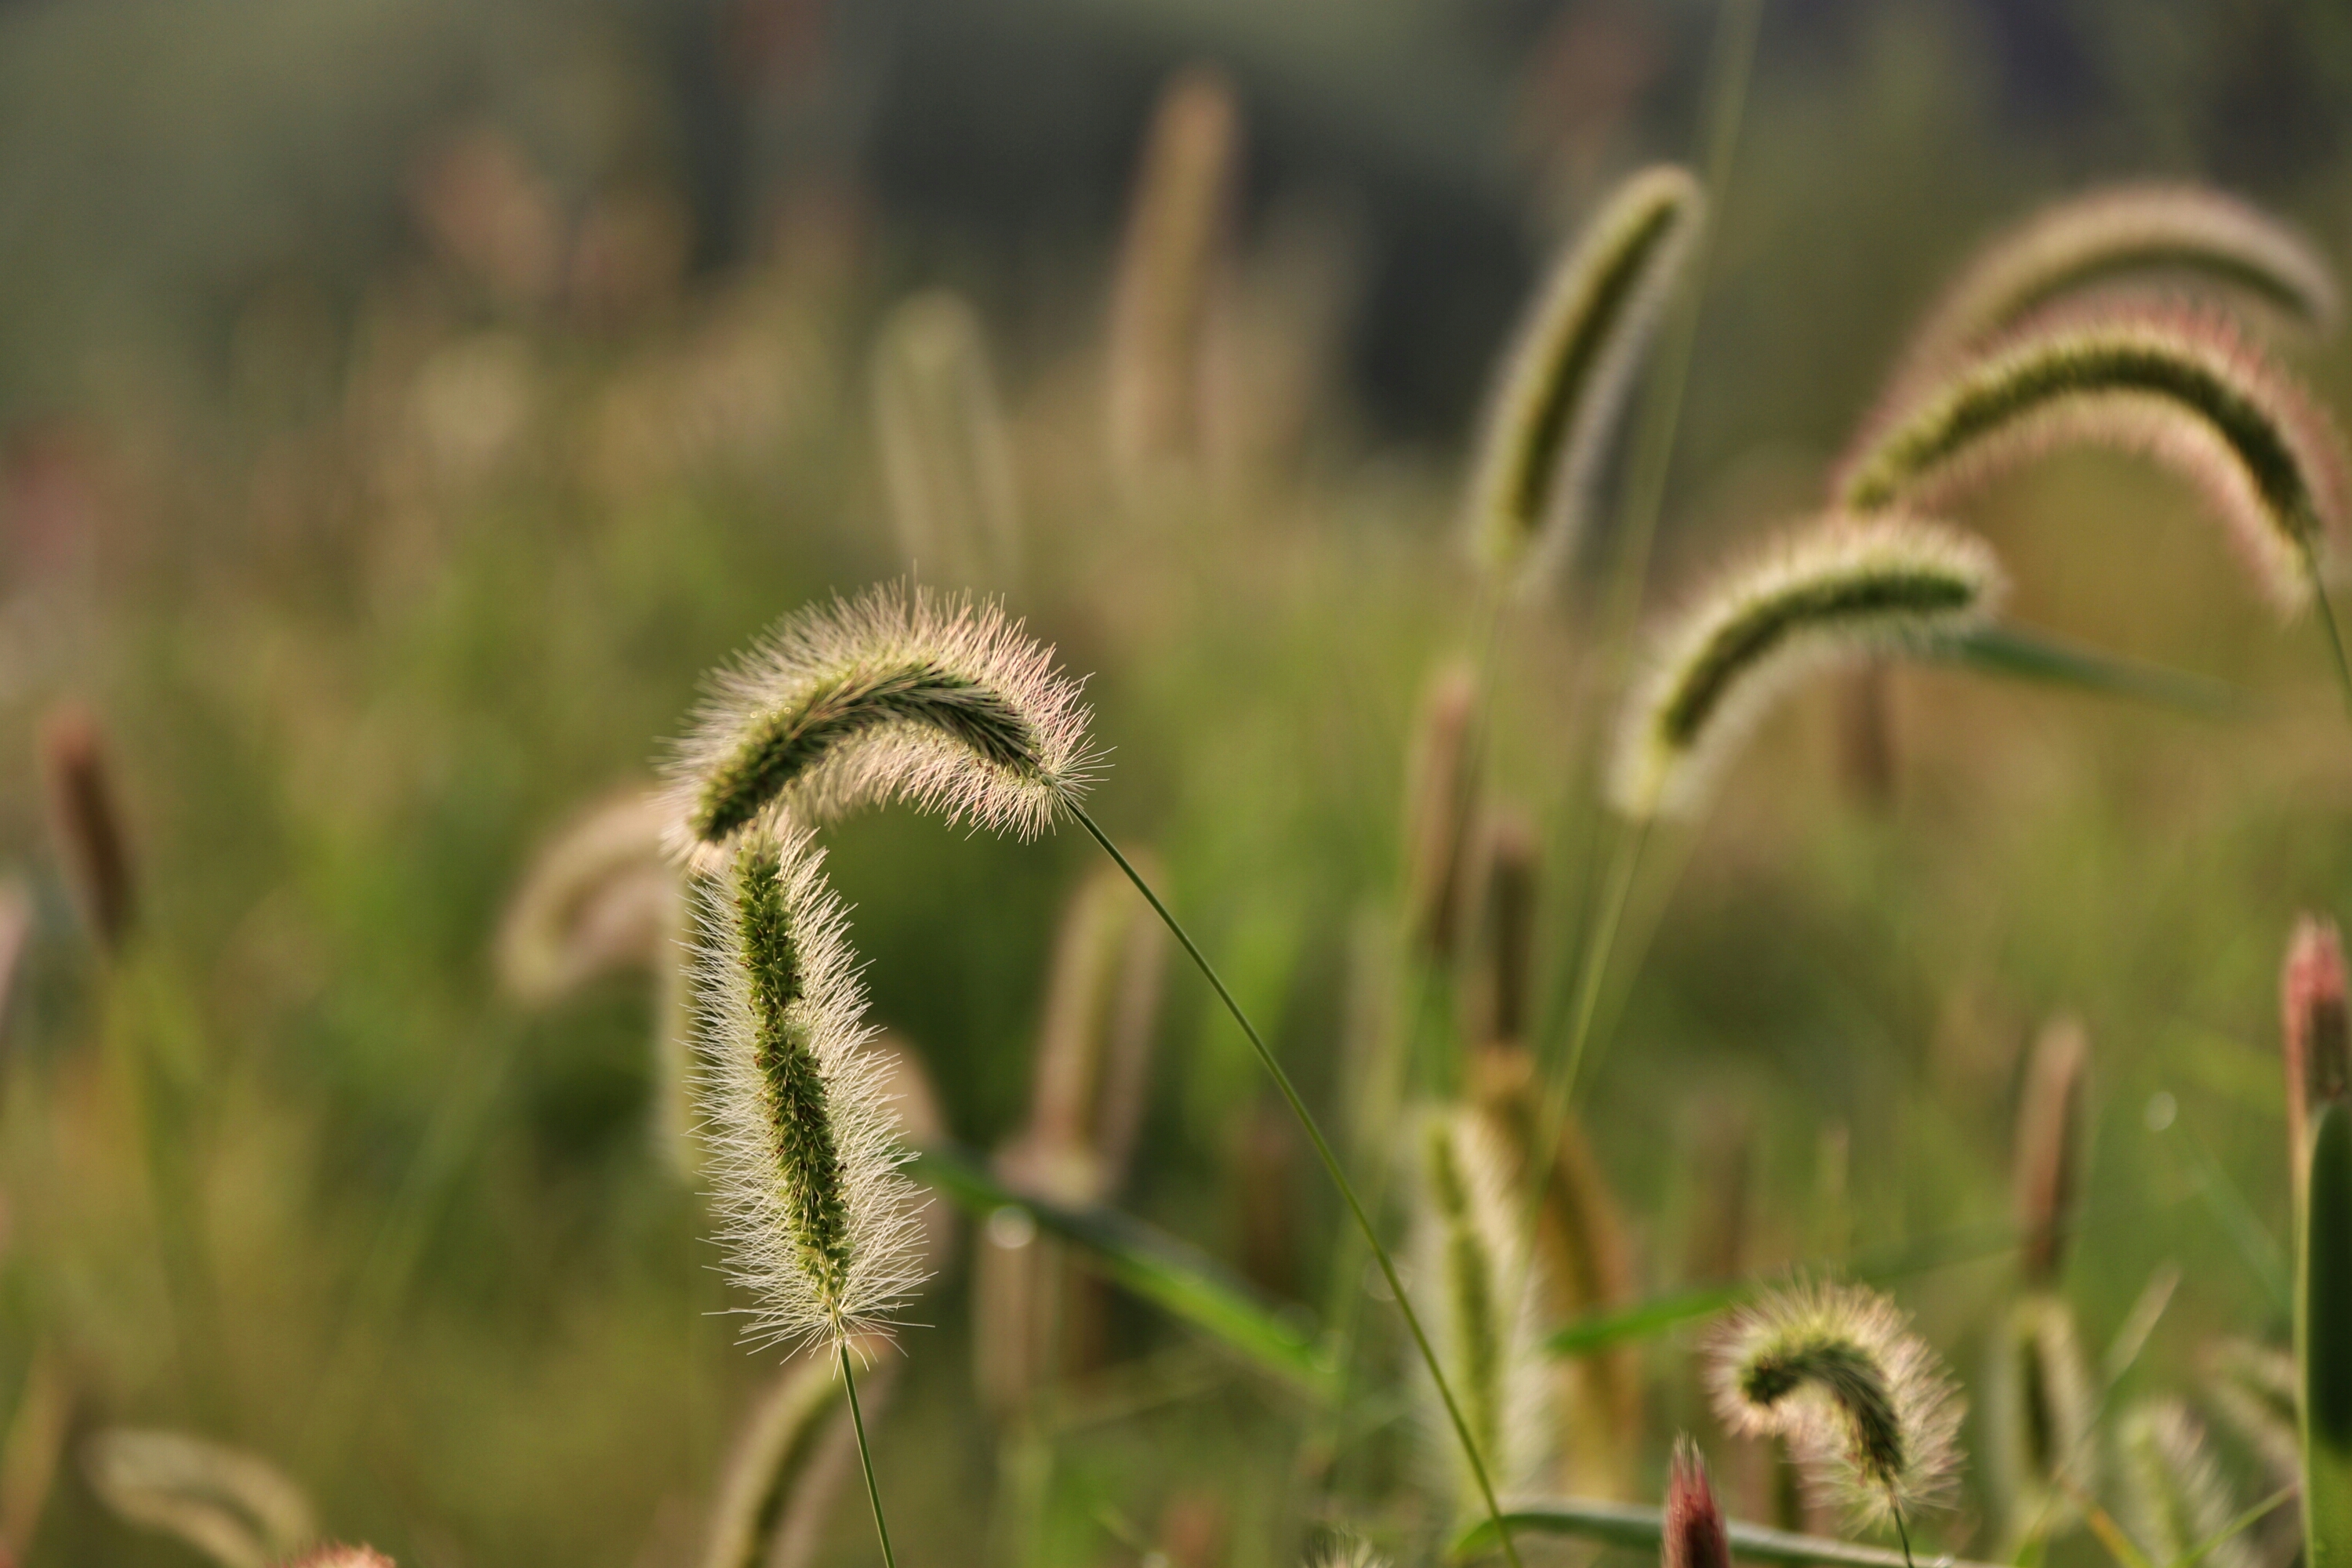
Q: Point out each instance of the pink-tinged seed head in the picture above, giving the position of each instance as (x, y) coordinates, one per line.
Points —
(1694, 1535)
(2313, 1025)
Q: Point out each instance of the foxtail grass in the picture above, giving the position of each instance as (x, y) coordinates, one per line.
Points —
(947, 462)
(898, 695)
(1694, 1534)
(2253, 1390)
(1563, 384)
(234, 1507)
(2039, 1417)
(778, 1481)
(1441, 796)
(2180, 234)
(1844, 590)
(2047, 1155)
(86, 820)
(2177, 1503)
(1864, 1404)
(2314, 1031)
(1167, 271)
(2186, 388)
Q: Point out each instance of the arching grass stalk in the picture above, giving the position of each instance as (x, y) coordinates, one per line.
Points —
(2326, 609)
(1331, 1166)
(866, 1456)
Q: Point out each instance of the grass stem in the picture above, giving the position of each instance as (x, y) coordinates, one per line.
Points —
(1331, 1165)
(865, 1455)
(2327, 622)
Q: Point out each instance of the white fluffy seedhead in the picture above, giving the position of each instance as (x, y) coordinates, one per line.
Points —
(2134, 233)
(819, 1224)
(2186, 389)
(1484, 1310)
(1566, 378)
(1833, 1370)
(900, 694)
(1842, 591)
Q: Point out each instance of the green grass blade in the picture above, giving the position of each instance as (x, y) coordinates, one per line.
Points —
(1151, 1264)
(2322, 1340)
(2030, 656)
(1632, 1526)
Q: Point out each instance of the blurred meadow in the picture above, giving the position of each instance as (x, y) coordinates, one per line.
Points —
(402, 405)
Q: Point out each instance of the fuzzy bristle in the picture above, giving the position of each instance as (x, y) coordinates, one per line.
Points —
(898, 694)
(1865, 1404)
(2176, 1501)
(1483, 1310)
(1568, 374)
(801, 1150)
(2184, 388)
(2165, 232)
(1843, 590)
(1695, 1536)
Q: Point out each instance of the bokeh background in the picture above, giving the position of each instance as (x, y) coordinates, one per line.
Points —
(402, 403)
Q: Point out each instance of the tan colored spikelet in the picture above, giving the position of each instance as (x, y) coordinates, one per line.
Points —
(2039, 1415)
(30, 1452)
(1843, 590)
(2048, 1150)
(1483, 1310)
(86, 819)
(2193, 235)
(1441, 795)
(2253, 1388)
(601, 895)
(802, 1148)
(936, 702)
(947, 462)
(1583, 1267)
(1867, 1406)
(2314, 1034)
(2176, 1500)
(1693, 1535)
(236, 1508)
(1167, 271)
(792, 1450)
(2186, 389)
(1564, 383)
(1500, 992)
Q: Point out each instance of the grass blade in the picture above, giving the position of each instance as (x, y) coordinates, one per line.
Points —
(2323, 1347)
(1151, 1264)
(1637, 1528)
(2031, 656)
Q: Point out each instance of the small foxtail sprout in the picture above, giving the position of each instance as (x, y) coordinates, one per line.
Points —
(2175, 1501)
(1866, 1405)
(897, 695)
(1845, 590)
(2127, 233)
(1564, 383)
(2186, 389)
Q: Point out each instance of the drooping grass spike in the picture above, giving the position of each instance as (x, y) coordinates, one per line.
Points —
(800, 1143)
(898, 694)
(1565, 380)
(2186, 389)
(235, 1506)
(2186, 235)
(1843, 590)
(2175, 1501)
(1866, 1405)
(1482, 1299)
(2039, 1416)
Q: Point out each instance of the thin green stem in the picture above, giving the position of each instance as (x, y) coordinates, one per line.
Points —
(865, 1457)
(2328, 621)
(1330, 1165)
(1901, 1532)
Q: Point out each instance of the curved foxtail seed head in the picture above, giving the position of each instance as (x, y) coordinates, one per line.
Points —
(1843, 590)
(1866, 1405)
(2039, 1417)
(2175, 1499)
(235, 1506)
(947, 462)
(1167, 268)
(88, 822)
(790, 1454)
(2313, 1028)
(1565, 379)
(800, 1141)
(2048, 1153)
(2185, 388)
(1484, 1310)
(1440, 793)
(895, 695)
(1694, 1533)
(2124, 233)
